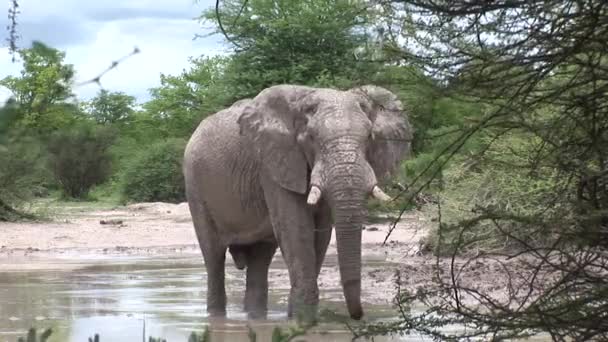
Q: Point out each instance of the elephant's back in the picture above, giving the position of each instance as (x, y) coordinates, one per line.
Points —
(213, 140)
(221, 172)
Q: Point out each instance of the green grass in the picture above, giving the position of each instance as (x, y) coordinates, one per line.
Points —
(278, 335)
(54, 206)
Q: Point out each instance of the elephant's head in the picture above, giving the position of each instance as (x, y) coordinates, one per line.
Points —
(335, 146)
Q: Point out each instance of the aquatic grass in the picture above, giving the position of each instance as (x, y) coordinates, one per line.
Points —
(32, 336)
(278, 335)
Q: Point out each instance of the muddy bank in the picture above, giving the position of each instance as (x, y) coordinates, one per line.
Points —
(162, 229)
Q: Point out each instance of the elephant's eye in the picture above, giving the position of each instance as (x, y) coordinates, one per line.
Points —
(311, 107)
(311, 136)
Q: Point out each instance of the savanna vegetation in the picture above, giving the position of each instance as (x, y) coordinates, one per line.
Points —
(134, 148)
(509, 104)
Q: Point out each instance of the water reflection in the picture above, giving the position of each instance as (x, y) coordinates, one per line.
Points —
(115, 297)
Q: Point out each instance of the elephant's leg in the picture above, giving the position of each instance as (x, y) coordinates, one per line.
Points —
(322, 234)
(259, 257)
(214, 254)
(216, 291)
(293, 224)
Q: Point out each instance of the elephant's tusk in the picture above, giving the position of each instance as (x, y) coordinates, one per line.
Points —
(379, 194)
(314, 195)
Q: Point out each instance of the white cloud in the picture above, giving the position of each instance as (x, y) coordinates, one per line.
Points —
(94, 35)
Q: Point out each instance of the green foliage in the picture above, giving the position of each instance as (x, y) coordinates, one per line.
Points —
(497, 181)
(111, 107)
(204, 337)
(21, 168)
(182, 101)
(154, 339)
(279, 335)
(253, 337)
(437, 115)
(38, 107)
(42, 87)
(21, 176)
(79, 158)
(155, 174)
(524, 183)
(8, 115)
(33, 337)
(304, 42)
(96, 338)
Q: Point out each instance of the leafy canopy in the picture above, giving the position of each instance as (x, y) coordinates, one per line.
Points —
(42, 88)
(111, 107)
(290, 41)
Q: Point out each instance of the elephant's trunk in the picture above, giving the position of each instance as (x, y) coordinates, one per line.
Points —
(348, 237)
(348, 194)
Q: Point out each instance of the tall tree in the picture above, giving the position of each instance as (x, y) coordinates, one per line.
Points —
(542, 69)
(43, 86)
(282, 41)
(18, 159)
(111, 107)
(181, 101)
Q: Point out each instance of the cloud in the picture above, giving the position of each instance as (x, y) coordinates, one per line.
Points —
(123, 13)
(93, 34)
(165, 47)
(70, 32)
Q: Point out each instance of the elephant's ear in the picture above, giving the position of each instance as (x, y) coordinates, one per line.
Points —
(391, 131)
(270, 121)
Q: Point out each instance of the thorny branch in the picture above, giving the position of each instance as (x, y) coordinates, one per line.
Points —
(13, 35)
(543, 67)
(221, 25)
(113, 65)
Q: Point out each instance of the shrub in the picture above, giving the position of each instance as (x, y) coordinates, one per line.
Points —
(155, 174)
(18, 178)
(495, 181)
(22, 170)
(79, 157)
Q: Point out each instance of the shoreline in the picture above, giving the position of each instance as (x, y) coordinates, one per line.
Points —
(81, 236)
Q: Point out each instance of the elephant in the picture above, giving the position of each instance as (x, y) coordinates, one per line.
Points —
(281, 170)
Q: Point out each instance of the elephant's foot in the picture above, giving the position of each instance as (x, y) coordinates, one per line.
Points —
(216, 312)
(304, 314)
(256, 303)
(258, 257)
(256, 313)
(303, 307)
(216, 304)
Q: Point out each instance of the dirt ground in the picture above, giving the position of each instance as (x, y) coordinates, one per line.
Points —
(161, 228)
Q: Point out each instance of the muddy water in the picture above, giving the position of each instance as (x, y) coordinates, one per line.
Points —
(123, 298)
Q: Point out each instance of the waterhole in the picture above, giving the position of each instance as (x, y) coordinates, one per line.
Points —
(132, 298)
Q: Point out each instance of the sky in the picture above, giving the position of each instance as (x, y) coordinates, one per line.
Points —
(95, 33)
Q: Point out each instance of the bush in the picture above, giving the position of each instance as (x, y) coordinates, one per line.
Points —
(155, 174)
(22, 171)
(495, 181)
(79, 157)
(19, 178)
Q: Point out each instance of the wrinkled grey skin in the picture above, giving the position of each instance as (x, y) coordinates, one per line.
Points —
(250, 167)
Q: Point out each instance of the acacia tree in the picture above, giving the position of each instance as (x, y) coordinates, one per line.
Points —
(42, 87)
(111, 107)
(305, 42)
(37, 107)
(541, 67)
(16, 164)
(181, 101)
